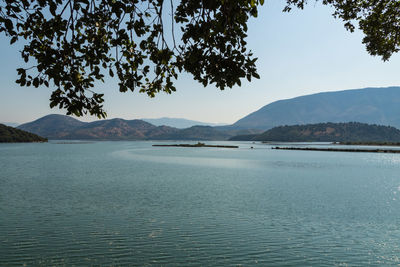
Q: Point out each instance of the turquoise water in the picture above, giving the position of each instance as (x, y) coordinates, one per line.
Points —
(128, 203)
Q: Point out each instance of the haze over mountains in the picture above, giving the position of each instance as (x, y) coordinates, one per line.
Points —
(11, 124)
(179, 122)
(379, 106)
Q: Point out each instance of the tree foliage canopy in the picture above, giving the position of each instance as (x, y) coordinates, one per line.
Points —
(70, 44)
(73, 43)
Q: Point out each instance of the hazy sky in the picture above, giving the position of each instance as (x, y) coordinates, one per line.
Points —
(299, 53)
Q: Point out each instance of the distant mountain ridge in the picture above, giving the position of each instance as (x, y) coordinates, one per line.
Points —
(327, 132)
(64, 127)
(179, 123)
(370, 105)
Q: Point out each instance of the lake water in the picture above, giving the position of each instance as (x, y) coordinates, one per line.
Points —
(128, 203)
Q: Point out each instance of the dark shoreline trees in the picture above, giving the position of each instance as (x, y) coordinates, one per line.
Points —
(12, 135)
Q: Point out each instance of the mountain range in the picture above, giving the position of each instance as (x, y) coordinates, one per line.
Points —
(56, 126)
(369, 105)
(379, 106)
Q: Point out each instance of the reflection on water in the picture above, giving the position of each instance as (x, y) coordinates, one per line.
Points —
(208, 158)
(147, 155)
(127, 203)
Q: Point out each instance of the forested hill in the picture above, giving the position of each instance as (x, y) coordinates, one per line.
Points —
(12, 135)
(328, 132)
(53, 126)
(370, 105)
(65, 127)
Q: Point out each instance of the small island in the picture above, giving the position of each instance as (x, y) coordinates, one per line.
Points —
(12, 135)
(197, 145)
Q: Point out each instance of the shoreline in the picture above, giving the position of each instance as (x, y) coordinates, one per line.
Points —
(339, 149)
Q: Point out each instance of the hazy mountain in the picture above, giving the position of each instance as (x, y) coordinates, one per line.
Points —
(11, 124)
(12, 135)
(370, 105)
(234, 131)
(197, 133)
(327, 132)
(179, 123)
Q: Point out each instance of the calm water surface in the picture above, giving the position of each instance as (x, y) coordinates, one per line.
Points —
(128, 203)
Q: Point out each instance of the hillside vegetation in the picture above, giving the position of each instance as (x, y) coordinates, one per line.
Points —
(12, 135)
(328, 132)
(67, 128)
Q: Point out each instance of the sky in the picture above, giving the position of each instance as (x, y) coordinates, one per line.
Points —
(299, 53)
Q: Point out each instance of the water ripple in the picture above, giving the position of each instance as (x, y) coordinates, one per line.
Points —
(125, 204)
